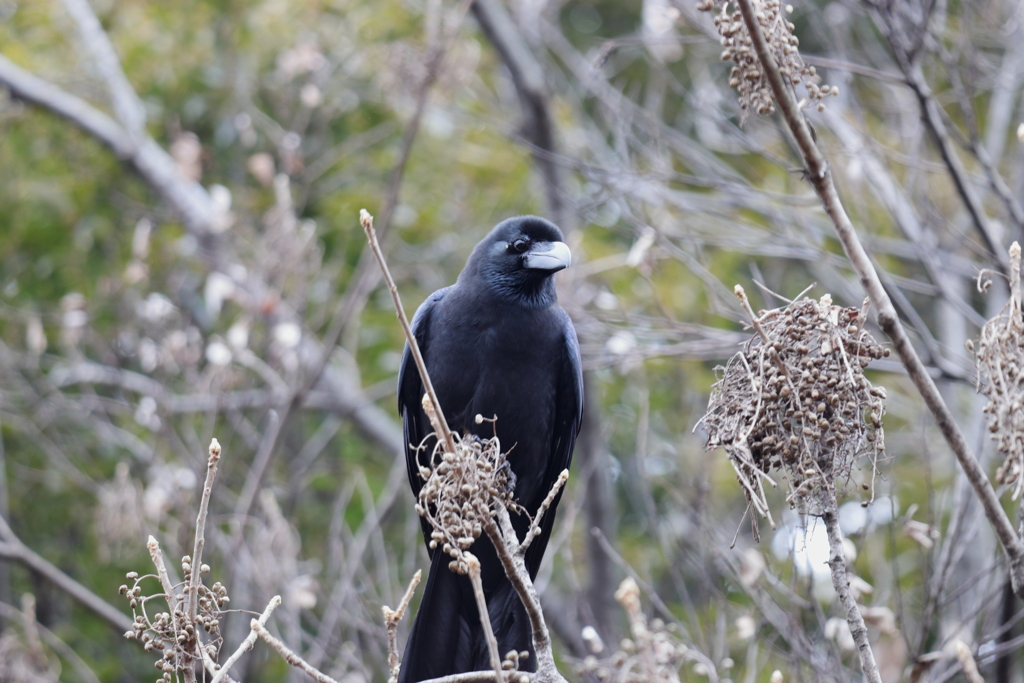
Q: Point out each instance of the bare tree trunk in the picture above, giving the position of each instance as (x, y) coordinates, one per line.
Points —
(528, 76)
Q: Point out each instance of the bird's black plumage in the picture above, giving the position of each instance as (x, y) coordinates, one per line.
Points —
(496, 343)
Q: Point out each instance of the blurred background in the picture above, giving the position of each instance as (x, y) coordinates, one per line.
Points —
(181, 259)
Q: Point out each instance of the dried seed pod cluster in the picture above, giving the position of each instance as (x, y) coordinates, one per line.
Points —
(1000, 360)
(174, 635)
(510, 665)
(747, 76)
(653, 653)
(460, 490)
(796, 399)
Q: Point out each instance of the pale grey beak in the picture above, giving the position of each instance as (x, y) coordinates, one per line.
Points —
(549, 256)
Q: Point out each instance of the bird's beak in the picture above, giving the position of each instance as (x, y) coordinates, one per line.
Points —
(549, 256)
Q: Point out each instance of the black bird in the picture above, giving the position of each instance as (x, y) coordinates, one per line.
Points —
(496, 343)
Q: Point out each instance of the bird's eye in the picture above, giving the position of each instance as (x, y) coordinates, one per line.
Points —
(520, 245)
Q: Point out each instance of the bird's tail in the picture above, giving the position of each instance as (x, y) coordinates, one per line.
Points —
(447, 637)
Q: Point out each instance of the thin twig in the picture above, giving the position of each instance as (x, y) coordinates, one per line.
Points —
(966, 659)
(248, 642)
(937, 127)
(821, 179)
(197, 554)
(212, 666)
(363, 279)
(741, 294)
(534, 531)
(528, 78)
(366, 220)
(391, 620)
(289, 655)
(157, 555)
(485, 618)
(841, 582)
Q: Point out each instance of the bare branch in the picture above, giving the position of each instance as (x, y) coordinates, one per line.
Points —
(534, 531)
(485, 619)
(367, 222)
(841, 582)
(506, 545)
(528, 76)
(392, 619)
(937, 127)
(126, 102)
(289, 655)
(471, 677)
(12, 548)
(248, 642)
(188, 199)
(55, 643)
(966, 659)
(200, 542)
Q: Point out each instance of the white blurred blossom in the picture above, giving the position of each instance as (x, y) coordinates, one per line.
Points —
(219, 288)
(218, 353)
(35, 336)
(157, 307)
(287, 334)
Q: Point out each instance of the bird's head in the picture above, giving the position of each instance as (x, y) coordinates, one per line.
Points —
(518, 258)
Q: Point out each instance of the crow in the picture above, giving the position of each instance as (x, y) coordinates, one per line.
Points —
(496, 343)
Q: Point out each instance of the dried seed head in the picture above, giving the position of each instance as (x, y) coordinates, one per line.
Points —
(825, 415)
(754, 90)
(999, 355)
(459, 490)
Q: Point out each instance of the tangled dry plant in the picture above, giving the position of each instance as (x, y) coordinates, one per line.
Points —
(460, 489)
(170, 633)
(653, 654)
(194, 607)
(747, 75)
(191, 604)
(796, 399)
(1000, 361)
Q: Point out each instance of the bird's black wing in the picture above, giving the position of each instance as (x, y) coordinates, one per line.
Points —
(568, 416)
(410, 396)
